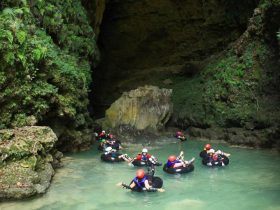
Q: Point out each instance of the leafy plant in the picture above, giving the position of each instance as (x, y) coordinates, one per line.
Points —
(46, 50)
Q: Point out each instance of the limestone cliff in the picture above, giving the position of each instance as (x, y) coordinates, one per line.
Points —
(138, 37)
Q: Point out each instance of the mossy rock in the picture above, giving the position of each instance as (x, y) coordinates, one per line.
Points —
(29, 162)
(26, 169)
(6, 135)
(147, 107)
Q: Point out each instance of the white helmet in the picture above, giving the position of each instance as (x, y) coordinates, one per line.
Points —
(108, 149)
(211, 151)
(103, 131)
(144, 150)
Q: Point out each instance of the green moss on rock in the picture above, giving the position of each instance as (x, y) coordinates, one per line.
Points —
(25, 161)
(239, 87)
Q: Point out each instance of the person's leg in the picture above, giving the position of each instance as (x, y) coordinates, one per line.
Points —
(190, 161)
(125, 157)
(219, 152)
(177, 165)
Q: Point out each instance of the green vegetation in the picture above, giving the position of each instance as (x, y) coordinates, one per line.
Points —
(240, 86)
(228, 92)
(45, 51)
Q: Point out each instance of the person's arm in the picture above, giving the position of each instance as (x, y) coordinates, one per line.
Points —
(132, 185)
(122, 184)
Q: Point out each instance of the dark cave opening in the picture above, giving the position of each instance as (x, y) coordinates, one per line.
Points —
(135, 36)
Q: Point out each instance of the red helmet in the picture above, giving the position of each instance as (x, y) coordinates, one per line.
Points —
(111, 136)
(172, 158)
(179, 133)
(207, 146)
(140, 174)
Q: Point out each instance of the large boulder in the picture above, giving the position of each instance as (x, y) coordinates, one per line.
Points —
(26, 161)
(145, 108)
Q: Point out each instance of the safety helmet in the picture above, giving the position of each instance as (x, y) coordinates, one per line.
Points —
(140, 174)
(172, 158)
(207, 146)
(179, 133)
(103, 140)
(103, 131)
(144, 150)
(108, 149)
(211, 151)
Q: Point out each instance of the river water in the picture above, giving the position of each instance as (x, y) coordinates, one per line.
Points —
(250, 182)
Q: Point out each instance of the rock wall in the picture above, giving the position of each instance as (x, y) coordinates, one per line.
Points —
(26, 161)
(95, 10)
(238, 89)
(138, 37)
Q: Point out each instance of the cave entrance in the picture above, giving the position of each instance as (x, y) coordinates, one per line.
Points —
(140, 41)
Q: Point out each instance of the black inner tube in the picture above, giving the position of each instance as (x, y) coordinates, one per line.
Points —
(154, 181)
(221, 159)
(145, 163)
(109, 158)
(179, 170)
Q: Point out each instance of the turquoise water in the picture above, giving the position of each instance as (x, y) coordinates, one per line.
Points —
(250, 181)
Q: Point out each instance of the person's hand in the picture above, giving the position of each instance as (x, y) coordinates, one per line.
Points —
(160, 190)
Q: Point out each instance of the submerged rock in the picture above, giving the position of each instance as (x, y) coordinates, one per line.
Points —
(147, 107)
(26, 161)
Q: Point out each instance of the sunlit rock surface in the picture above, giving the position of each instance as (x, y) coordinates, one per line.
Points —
(147, 107)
